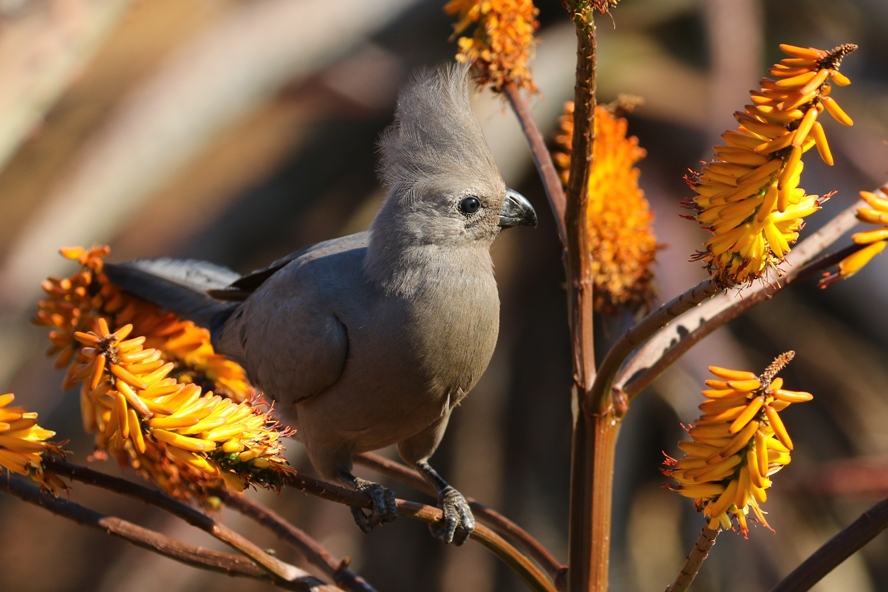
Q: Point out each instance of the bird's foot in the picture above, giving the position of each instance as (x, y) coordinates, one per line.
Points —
(458, 521)
(383, 510)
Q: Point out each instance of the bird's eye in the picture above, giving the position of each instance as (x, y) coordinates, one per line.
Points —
(470, 205)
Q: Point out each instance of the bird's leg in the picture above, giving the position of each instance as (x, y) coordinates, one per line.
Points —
(458, 522)
(384, 509)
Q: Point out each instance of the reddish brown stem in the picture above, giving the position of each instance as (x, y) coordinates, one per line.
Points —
(669, 343)
(491, 518)
(176, 508)
(839, 548)
(233, 565)
(710, 324)
(542, 158)
(592, 448)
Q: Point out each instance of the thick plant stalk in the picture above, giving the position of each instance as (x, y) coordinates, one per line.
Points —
(594, 433)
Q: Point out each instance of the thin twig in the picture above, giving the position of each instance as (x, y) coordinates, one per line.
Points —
(517, 562)
(491, 518)
(233, 565)
(190, 515)
(542, 158)
(315, 554)
(694, 561)
(836, 550)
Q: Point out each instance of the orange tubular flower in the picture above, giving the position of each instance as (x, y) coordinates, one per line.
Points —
(736, 445)
(620, 220)
(143, 375)
(23, 443)
(748, 197)
(876, 213)
(503, 42)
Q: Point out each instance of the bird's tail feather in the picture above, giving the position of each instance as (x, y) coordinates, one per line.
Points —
(179, 286)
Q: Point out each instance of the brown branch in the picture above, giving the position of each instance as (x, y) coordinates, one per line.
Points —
(542, 158)
(707, 326)
(663, 349)
(592, 448)
(317, 555)
(600, 394)
(190, 515)
(836, 550)
(484, 514)
(517, 562)
(232, 565)
(694, 561)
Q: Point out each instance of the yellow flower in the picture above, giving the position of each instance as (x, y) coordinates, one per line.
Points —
(503, 42)
(74, 304)
(153, 390)
(736, 445)
(23, 442)
(876, 213)
(748, 197)
(620, 220)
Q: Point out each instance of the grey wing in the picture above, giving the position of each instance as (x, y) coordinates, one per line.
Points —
(292, 347)
(180, 286)
(241, 288)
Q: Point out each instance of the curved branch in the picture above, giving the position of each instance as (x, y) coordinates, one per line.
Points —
(232, 565)
(190, 515)
(599, 396)
(661, 350)
(542, 158)
(837, 549)
(521, 565)
(317, 555)
(710, 324)
(489, 517)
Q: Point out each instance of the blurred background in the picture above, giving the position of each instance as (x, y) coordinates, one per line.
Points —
(239, 130)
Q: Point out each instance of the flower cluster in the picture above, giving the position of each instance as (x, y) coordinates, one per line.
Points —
(620, 220)
(154, 392)
(875, 240)
(23, 443)
(749, 197)
(736, 445)
(503, 42)
(74, 304)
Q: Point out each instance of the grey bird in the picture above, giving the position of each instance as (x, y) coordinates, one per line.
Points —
(372, 339)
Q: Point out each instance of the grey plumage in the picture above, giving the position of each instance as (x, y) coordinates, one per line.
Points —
(372, 339)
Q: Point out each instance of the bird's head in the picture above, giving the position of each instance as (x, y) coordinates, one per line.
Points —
(443, 185)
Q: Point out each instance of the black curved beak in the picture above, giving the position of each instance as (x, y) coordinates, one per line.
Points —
(516, 211)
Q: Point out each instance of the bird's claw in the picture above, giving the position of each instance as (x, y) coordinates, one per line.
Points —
(457, 523)
(383, 510)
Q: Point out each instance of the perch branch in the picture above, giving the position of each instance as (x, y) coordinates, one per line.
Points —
(489, 517)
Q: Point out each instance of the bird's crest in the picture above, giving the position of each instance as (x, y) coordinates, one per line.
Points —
(435, 134)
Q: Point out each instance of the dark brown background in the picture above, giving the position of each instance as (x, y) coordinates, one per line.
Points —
(179, 136)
